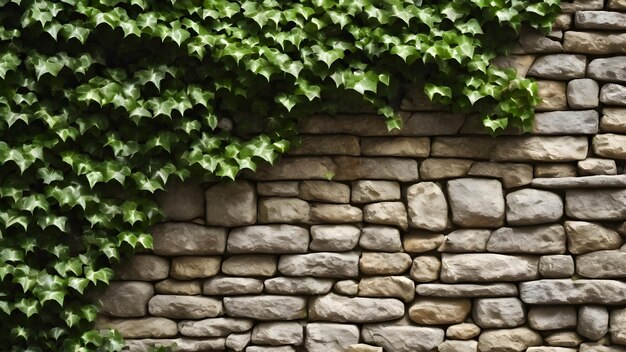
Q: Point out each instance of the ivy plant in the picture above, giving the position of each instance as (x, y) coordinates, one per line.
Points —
(103, 102)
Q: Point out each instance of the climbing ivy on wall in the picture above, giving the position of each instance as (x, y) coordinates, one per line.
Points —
(102, 102)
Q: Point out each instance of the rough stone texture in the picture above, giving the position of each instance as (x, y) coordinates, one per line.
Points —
(335, 213)
(618, 326)
(126, 299)
(584, 237)
(139, 328)
(593, 322)
(596, 166)
(266, 307)
(403, 338)
(610, 145)
(602, 264)
(278, 333)
(596, 181)
(278, 188)
(555, 170)
(613, 94)
(286, 210)
(298, 286)
(556, 266)
(268, 239)
(327, 145)
(419, 242)
(346, 287)
(605, 20)
(531, 206)
(583, 93)
(559, 67)
(427, 207)
(518, 339)
(175, 238)
(324, 191)
(463, 241)
(511, 175)
(611, 69)
(613, 120)
(538, 148)
(463, 147)
(469, 267)
(361, 347)
(381, 238)
(596, 204)
(458, 346)
(498, 312)
(181, 344)
(551, 318)
(335, 238)
(594, 42)
(531, 240)
(463, 331)
(467, 290)
(175, 287)
(323, 337)
(418, 147)
(219, 286)
(340, 309)
(231, 204)
(476, 202)
(521, 63)
(384, 263)
(250, 265)
(386, 213)
(437, 311)
(184, 307)
(567, 122)
(296, 168)
(440, 168)
(194, 267)
(567, 291)
(341, 265)
(143, 267)
(425, 269)
(563, 339)
(181, 201)
(387, 286)
(395, 169)
(374, 191)
(553, 95)
(214, 327)
(238, 342)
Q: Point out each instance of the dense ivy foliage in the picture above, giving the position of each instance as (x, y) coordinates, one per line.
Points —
(102, 102)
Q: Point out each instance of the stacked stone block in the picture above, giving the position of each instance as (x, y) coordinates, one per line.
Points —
(436, 237)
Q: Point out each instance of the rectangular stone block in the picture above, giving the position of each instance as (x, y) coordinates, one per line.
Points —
(472, 267)
(566, 122)
(418, 147)
(397, 169)
(598, 43)
(327, 145)
(568, 291)
(296, 168)
(538, 148)
(596, 204)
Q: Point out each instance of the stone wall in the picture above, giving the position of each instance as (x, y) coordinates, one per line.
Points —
(433, 238)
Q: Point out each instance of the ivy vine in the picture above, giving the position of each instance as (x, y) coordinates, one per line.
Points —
(102, 102)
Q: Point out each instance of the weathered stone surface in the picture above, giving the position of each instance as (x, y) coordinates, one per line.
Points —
(195, 267)
(175, 287)
(593, 322)
(214, 327)
(462, 331)
(476, 202)
(584, 237)
(283, 210)
(270, 349)
(325, 191)
(419, 242)
(139, 328)
(329, 337)
(395, 169)
(402, 338)
(594, 42)
(458, 346)
(559, 67)
(361, 347)
(179, 238)
(563, 22)
(613, 120)
(553, 95)
(563, 339)
(467, 290)
(539, 148)
(463, 147)
(327, 145)
(381, 238)
(142, 267)
(613, 94)
(596, 204)
(278, 333)
(555, 170)
(278, 188)
(616, 4)
(567, 291)
(463, 241)
(531, 206)
(551, 318)
(550, 349)
(268, 239)
(533, 41)
(341, 309)
(512, 175)
(336, 238)
(596, 166)
(440, 168)
(346, 287)
(296, 168)
(610, 145)
(126, 299)
(425, 268)
(231, 204)
(238, 342)
(556, 266)
(531, 239)
(384, 263)
(618, 326)
(182, 201)
(508, 340)
(366, 191)
(521, 63)
(470, 267)
(597, 181)
(437, 311)
(583, 93)
(416, 147)
(612, 69)
(387, 286)
(324, 264)
(581, 5)
(605, 20)
(266, 307)
(427, 206)
(221, 286)
(180, 344)
(184, 307)
(598, 347)
(250, 265)
(566, 122)
(386, 213)
(335, 213)
(602, 264)
(298, 286)
(498, 312)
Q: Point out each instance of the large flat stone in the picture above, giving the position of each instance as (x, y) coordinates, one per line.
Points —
(250, 265)
(463, 147)
(231, 204)
(415, 147)
(613, 94)
(613, 120)
(567, 291)
(601, 43)
(566, 122)
(181, 344)
(467, 240)
(387, 168)
(595, 181)
(143, 267)
(612, 69)
(296, 168)
(476, 202)
(540, 148)
(214, 327)
(330, 337)
(271, 239)
(298, 286)
(278, 333)
(511, 174)
(610, 145)
(604, 20)
(381, 238)
(185, 307)
(227, 285)
(441, 168)
(180, 238)
(439, 311)
(283, 210)
(139, 328)
(427, 207)
(471, 267)
(467, 290)
(584, 237)
(583, 93)
(341, 309)
(367, 191)
(601, 204)
(386, 213)
(266, 307)
(498, 312)
(327, 145)
(403, 338)
(182, 201)
(593, 322)
(552, 318)
(559, 67)
(126, 299)
(609, 264)
(387, 286)
(510, 340)
(530, 206)
(528, 240)
(195, 267)
(334, 238)
(324, 191)
(323, 264)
